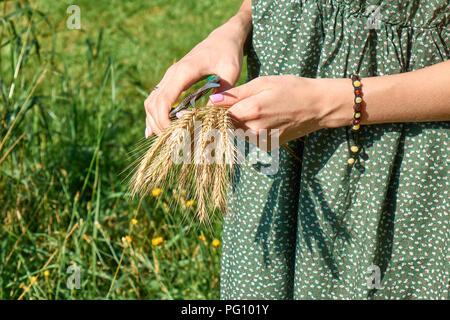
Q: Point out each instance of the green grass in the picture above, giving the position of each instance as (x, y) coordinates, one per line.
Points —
(71, 111)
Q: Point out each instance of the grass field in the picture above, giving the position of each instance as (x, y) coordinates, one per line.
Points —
(71, 111)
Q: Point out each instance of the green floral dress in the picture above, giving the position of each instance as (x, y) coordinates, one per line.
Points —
(322, 229)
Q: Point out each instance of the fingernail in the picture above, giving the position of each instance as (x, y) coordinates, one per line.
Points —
(214, 98)
(147, 133)
(179, 114)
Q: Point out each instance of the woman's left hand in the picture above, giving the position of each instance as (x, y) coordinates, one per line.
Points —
(295, 106)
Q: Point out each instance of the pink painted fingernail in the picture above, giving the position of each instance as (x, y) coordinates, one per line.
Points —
(218, 97)
(179, 114)
(147, 133)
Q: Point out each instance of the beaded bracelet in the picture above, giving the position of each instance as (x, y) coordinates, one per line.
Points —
(354, 141)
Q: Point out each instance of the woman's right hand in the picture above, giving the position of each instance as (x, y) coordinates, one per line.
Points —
(221, 53)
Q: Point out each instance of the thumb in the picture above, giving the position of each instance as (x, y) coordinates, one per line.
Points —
(232, 96)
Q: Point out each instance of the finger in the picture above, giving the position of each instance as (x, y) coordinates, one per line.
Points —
(149, 119)
(234, 95)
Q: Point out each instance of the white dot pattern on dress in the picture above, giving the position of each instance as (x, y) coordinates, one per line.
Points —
(313, 230)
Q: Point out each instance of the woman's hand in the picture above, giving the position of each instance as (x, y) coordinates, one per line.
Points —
(295, 106)
(220, 53)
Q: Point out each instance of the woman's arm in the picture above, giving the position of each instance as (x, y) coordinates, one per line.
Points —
(297, 106)
(416, 96)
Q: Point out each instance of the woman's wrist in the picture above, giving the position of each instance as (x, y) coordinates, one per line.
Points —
(242, 21)
(335, 102)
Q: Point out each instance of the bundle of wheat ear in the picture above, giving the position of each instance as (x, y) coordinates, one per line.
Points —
(196, 154)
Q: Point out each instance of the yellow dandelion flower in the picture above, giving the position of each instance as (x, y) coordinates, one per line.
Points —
(128, 239)
(134, 222)
(190, 203)
(46, 273)
(157, 241)
(33, 279)
(202, 237)
(216, 243)
(156, 192)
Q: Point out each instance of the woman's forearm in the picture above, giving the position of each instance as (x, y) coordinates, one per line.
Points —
(244, 16)
(239, 25)
(416, 96)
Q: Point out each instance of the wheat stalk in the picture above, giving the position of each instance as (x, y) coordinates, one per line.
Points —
(206, 181)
